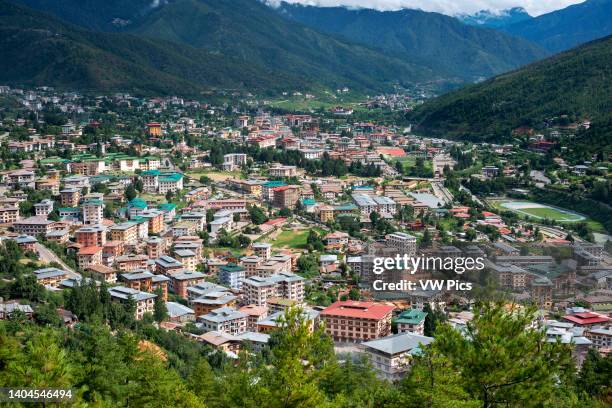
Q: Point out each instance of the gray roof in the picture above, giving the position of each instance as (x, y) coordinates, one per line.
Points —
(123, 293)
(176, 309)
(49, 273)
(398, 343)
(223, 314)
(254, 337)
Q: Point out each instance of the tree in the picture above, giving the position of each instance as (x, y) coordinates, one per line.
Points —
(503, 359)
(160, 311)
(257, 215)
(314, 241)
(426, 240)
(433, 319)
(130, 192)
(470, 235)
(354, 294)
(595, 377)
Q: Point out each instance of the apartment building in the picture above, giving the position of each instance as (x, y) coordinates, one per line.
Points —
(403, 242)
(232, 275)
(50, 276)
(87, 256)
(132, 262)
(411, 320)
(225, 320)
(93, 212)
(126, 232)
(257, 290)
(211, 300)
(94, 235)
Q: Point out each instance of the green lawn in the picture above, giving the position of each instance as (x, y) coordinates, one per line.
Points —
(295, 239)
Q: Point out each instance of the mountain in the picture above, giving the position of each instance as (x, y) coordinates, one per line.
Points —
(108, 15)
(487, 18)
(285, 54)
(567, 28)
(577, 83)
(433, 39)
(37, 49)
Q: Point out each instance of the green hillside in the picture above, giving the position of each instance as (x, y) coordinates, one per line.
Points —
(577, 83)
(37, 49)
(188, 45)
(435, 40)
(256, 34)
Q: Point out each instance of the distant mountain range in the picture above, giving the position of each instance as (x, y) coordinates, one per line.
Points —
(187, 46)
(577, 83)
(567, 28)
(435, 40)
(487, 18)
(192, 46)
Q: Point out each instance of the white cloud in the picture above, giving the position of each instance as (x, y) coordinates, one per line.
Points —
(450, 7)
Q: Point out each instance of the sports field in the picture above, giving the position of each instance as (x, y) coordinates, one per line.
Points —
(542, 211)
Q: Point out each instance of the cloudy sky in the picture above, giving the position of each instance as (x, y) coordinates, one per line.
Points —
(450, 7)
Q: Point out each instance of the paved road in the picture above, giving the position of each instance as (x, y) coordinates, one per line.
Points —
(48, 256)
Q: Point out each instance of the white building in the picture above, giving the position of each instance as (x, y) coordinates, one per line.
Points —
(391, 356)
(225, 320)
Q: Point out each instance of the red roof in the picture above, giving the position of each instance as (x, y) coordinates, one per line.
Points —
(587, 318)
(275, 221)
(153, 124)
(90, 250)
(363, 310)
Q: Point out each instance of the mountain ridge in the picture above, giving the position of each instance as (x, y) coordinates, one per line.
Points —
(433, 39)
(577, 83)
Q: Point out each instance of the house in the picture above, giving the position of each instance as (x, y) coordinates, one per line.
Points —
(588, 319)
(102, 273)
(255, 314)
(7, 310)
(336, 240)
(391, 356)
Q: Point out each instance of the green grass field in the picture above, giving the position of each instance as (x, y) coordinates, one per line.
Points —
(295, 239)
(214, 175)
(541, 211)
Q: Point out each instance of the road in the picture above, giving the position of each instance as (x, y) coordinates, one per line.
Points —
(48, 256)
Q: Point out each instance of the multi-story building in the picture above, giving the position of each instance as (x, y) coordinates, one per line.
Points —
(166, 265)
(93, 212)
(254, 315)
(155, 247)
(263, 250)
(411, 320)
(404, 243)
(154, 181)
(600, 337)
(88, 256)
(233, 161)
(232, 275)
(144, 301)
(70, 197)
(33, 226)
(225, 320)
(94, 235)
(44, 208)
(211, 300)
(128, 263)
(187, 257)
(126, 232)
(102, 273)
(257, 290)
(353, 321)
(9, 214)
(286, 196)
(283, 171)
(50, 276)
(391, 356)
(180, 280)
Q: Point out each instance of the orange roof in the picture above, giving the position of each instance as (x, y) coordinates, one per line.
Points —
(391, 151)
(90, 250)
